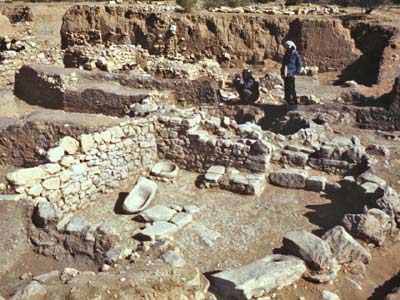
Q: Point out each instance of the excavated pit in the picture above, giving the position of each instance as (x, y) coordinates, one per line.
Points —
(366, 70)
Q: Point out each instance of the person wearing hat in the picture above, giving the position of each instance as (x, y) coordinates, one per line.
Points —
(291, 66)
(247, 87)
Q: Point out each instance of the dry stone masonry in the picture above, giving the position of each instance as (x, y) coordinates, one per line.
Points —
(98, 162)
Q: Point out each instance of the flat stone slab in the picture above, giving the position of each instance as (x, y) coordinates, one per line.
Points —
(158, 213)
(220, 170)
(259, 277)
(157, 231)
(290, 178)
(207, 235)
(182, 219)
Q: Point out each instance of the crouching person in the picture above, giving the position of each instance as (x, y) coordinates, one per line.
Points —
(291, 66)
(247, 87)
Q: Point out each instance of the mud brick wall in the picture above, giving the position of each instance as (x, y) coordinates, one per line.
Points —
(80, 169)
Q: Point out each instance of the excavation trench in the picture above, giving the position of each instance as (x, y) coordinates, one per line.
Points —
(235, 39)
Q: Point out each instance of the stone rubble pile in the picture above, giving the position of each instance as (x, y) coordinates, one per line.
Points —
(167, 68)
(16, 52)
(310, 10)
(136, 60)
(60, 236)
(113, 57)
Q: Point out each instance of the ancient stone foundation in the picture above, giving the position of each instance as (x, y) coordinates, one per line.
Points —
(79, 169)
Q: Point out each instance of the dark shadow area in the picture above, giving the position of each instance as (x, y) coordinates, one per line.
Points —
(118, 204)
(228, 287)
(326, 216)
(371, 40)
(279, 120)
(386, 288)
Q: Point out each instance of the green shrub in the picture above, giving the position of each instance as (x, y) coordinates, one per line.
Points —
(187, 5)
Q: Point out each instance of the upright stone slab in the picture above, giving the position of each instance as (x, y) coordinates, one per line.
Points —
(259, 277)
(344, 247)
(313, 250)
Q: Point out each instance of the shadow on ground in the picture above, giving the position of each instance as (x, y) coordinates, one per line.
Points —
(386, 288)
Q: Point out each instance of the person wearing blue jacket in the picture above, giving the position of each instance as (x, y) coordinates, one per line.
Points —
(291, 66)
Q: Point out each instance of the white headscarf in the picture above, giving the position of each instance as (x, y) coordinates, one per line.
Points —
(290, 44)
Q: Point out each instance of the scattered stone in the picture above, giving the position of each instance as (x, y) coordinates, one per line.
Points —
(390, 204)
(344, 248)
(191, 209)
(45, 214)
(117, 253)
(207, 235)
(26, 276)
(327, 295)
(44, 278)
(316, 183)
(77, 225)
(174, 259)
(68, 273)
(105, 268)
(290, 178)
(182, 219)
(158, 213)
(371, 226)
(258, 278)
(157, 231)
(314, 251)
(33, 291)
(369, 177)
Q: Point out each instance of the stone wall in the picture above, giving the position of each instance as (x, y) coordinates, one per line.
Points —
(79, 169)
(197, 142)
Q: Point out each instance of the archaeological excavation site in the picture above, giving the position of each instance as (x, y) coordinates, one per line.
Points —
(199, 150)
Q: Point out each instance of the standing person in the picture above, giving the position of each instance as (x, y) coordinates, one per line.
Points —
(247, 87)
(291, 66)
(171, 41)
